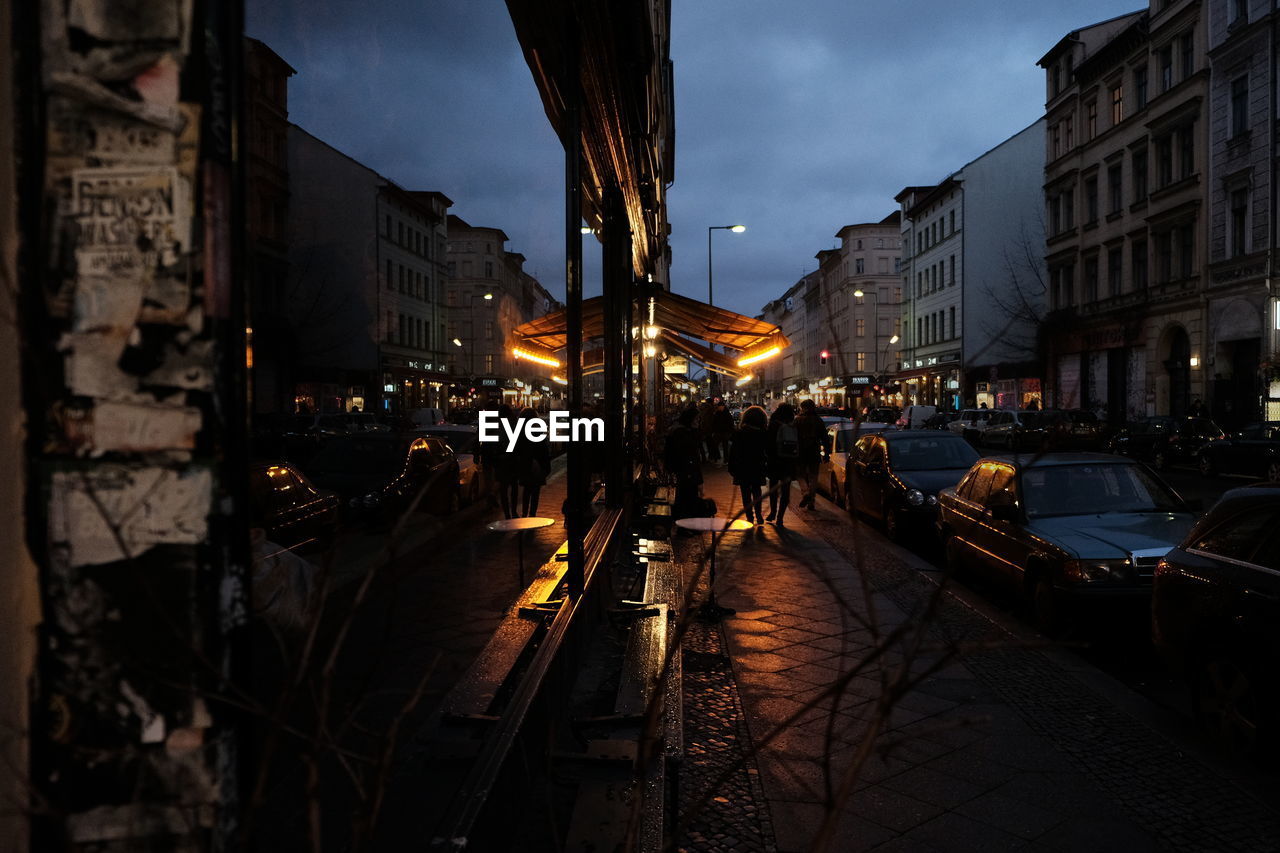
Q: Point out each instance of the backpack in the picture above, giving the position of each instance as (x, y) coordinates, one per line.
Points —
(788, 441)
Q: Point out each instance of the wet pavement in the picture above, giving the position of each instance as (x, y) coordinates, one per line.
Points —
(872, 708)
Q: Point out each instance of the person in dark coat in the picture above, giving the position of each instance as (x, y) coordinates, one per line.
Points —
(749, 459)
(783, 449)
(505, 468)
(682, 459)
(721, 429)
(811, 431)
(534, 463)
(706, 430)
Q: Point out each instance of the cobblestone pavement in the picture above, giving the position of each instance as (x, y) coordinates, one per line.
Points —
(883, 715)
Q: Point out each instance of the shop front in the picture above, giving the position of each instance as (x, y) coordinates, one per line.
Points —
(409, 384)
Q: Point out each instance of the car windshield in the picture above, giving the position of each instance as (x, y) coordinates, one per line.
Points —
(352, 455)
(881, 416)
(930, 454)
(1092, 489)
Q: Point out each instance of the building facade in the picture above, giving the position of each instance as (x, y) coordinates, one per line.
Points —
(367, 270)
(1242, 373)
(1125, 178)
(973, 281)
(488, 294)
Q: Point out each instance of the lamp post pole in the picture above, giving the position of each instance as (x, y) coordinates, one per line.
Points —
(736, 229)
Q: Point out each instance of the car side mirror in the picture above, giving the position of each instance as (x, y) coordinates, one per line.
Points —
(1004, 512)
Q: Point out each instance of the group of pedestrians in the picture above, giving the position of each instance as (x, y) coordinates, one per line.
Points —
(715, 426)
(765, 451)
(525, 466)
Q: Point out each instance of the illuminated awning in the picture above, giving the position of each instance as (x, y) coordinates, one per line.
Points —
(671, 312)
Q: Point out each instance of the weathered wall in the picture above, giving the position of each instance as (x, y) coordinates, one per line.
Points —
(133, 332)
(19, 601)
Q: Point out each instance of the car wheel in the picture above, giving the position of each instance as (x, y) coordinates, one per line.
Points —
(1207, 468)
(1158, 460)
(1046, 608)
(1227, 704)
(1273, 471)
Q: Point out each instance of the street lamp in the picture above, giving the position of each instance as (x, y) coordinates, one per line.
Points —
(736, 229)
(470, 360)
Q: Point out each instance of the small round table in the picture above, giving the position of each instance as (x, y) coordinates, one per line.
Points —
(519, 526)
(713, 525)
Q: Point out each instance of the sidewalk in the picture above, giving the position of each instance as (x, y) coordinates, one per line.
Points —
(1000, 748)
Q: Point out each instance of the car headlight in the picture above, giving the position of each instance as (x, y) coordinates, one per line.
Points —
(931, 500)
(915, 497)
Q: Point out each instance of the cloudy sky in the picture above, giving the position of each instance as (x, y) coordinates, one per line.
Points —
(794, 119)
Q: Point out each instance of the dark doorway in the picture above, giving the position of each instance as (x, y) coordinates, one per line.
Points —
(1237, 390)
(1178, 364)
(1117, 386)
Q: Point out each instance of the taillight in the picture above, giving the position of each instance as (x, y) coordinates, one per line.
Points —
(1162, 567)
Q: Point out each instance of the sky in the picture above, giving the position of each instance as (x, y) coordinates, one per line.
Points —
(793, 119)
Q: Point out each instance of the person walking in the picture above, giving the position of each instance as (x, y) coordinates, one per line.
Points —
(721, 429)
(810, 432)
(534, 461)
(706, 430)
(783, 448)
(749, 460)
(506, 469)
(681, 458)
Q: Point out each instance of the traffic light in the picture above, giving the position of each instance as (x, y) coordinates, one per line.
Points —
(824, 356)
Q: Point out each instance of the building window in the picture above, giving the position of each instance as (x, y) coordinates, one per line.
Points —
(1239, 13)
(1090, 120)
(1166, 68)
(1057, 80)
(1239, 105)
(488, 365)
(1139, 264)
(953, 270)
(391, 327)
(1055, 142)
(1064, 286)
(1069, 209)
(488, 269)
(858, 266)
(1139, 175)
(1164, 257)
(390, 283)
(1239, 222)
(1140, 87)
(1115, 272)
(1068, 136)
(1186, 250)
(488, 329)
(400, 270)
(860, 327)
(953, 322)
(1117, 104)
(1164, 160)
(401, 339)
(860, 361)
(1188, 45)
(1186, 152)
(1091, 200)
(1055, 214)
(1090, 280)
(1115, 189)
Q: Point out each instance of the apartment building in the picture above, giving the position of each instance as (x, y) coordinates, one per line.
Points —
(1242, 298)
(1125, 181)
(973, 281)
(489, 293)
(367, 267)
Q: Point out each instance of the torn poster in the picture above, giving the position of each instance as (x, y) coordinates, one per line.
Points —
(121, 210)
(114, 512)
(133, 427)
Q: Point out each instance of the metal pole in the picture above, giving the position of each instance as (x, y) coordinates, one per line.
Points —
(710, 300)
(575, 511)
(617, 280)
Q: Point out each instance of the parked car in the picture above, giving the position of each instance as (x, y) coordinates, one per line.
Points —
(1066, 530)
(378, 475)
(971, 424)
(895, 476)
(1164, 440)
(914, 417)
(838, 451)
(463, 440)
(288, 506)
(1253, 451)
(1215, 617)
(1047, 430)
(941, 420)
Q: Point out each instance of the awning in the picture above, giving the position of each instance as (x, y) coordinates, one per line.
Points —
(717, 361)
(671, 312)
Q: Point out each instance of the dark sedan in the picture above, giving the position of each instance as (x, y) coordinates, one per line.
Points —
(1215, 616)
(1163, 440)
(379, 475)
(895, 476)
(1253, 452)
(292, 511)
(1066, 530)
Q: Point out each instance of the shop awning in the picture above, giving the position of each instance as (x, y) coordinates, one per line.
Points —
(716, 361)
(670, 312)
